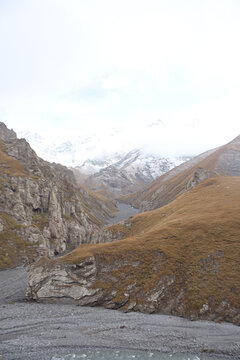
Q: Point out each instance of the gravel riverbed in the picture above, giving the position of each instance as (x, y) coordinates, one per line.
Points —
(30, 330)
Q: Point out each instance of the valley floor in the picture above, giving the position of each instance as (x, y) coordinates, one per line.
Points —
(41, 331)
(124, 212)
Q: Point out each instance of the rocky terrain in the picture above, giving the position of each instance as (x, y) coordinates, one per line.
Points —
(42, 209)
(182, 259)
(31, 330)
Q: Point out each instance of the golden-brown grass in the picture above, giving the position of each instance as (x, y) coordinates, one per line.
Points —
(165, 189)
(99, 197)
(9, 165)
(197, 237)
(40, 220)
(13, 249)
(109, 203)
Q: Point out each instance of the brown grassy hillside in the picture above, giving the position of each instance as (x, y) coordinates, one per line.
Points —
(224, 160)
(181, 259)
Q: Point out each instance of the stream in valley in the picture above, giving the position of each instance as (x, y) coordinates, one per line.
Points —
(132, 355)
(124, 212)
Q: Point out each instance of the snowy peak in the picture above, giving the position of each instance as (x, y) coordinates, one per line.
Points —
(107, 162)
(150, 165)
(74, 150)
(92, 166)
(130, 173)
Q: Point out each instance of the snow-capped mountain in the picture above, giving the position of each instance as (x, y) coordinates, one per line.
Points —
(106, 162)
(92, 166)
(131, 173)
(90, 151)
(149, 165)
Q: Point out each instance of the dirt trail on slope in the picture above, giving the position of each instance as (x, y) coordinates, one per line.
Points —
(30, 330)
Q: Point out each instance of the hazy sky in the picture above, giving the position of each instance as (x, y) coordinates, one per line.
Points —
(84, 65)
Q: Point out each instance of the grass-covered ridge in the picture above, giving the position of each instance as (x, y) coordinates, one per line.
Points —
(224, 161)
(194, 240)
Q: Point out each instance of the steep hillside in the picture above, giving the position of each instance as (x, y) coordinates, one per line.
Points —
(42, 210)
(182, 259)
(133, 171)
(224, 160)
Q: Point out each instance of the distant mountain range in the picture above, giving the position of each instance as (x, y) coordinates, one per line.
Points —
(134, 170)
(113, 171)
(100, 148)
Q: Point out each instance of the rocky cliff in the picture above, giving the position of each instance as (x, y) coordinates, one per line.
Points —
(42, 209)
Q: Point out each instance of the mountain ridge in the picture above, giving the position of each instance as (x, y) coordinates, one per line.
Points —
(222, 160)
(130, 173)
(130, 167)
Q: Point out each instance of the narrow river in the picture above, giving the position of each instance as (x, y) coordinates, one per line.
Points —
(124, 212)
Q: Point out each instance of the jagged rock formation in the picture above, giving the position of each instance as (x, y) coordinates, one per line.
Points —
(182, 259)
(198, 176)
(42, 210)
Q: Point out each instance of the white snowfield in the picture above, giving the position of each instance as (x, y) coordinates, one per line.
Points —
(91, 153)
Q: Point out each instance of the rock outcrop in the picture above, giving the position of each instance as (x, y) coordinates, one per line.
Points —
(198, 176)
(41, 206)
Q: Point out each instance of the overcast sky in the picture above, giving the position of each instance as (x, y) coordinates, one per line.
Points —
(87, 65)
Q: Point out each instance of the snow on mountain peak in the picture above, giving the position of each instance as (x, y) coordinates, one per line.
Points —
(90, 152)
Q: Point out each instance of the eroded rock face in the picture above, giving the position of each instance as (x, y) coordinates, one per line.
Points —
(97, 281)
(198, 176)
(5, 133)
(42, 203)
(71, 284)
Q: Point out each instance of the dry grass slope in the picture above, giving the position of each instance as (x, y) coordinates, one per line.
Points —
(167, 187)
(195, 239)
(9, 165)
(13, 249)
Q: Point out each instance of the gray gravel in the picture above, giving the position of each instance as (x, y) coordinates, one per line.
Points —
(12, 285)
(41, 331)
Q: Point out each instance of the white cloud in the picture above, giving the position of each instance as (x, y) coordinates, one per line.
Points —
(82, 65)
(115, 82)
